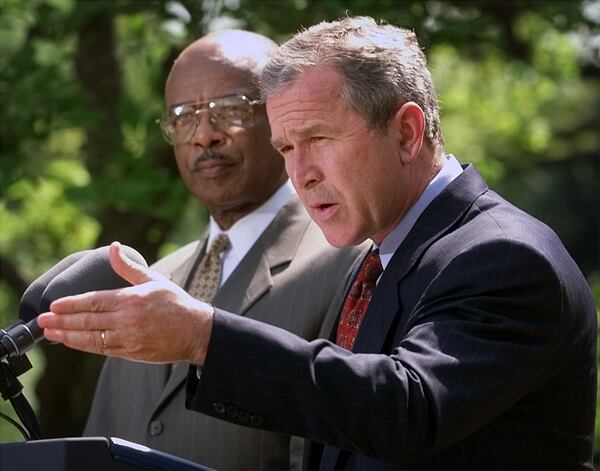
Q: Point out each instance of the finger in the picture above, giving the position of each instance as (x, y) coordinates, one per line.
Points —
(93, 301)
(78, 321)
(86, 341)
(128, 269)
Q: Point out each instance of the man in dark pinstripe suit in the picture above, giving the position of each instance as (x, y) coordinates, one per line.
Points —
(478, 347)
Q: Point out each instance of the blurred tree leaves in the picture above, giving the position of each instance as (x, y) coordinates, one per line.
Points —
(82, 161)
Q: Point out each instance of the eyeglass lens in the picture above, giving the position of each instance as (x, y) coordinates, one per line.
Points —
(180, 124)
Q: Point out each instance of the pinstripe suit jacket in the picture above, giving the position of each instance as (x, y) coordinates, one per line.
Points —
(478, 351)
(291, 264)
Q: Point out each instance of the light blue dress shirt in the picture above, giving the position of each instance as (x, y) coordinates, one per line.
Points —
(445, 176)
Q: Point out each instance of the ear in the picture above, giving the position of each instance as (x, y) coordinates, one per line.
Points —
(409, 125)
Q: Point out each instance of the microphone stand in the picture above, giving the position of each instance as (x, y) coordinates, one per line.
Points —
(11, 387)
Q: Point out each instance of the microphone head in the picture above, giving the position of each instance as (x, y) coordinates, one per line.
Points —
(91, 273)
(29, 305)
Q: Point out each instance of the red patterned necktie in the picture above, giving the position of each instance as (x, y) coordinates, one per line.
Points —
(357, 300)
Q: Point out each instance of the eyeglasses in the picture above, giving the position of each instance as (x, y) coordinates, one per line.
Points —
(179, 123)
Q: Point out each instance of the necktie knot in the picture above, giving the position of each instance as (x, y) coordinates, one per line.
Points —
(220, 244)
(372, 267)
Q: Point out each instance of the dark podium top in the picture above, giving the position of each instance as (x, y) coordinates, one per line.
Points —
(88, 454)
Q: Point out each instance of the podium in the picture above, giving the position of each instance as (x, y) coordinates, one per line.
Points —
(88, 454)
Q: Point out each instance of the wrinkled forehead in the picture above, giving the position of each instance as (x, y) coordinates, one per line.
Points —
(319, 89)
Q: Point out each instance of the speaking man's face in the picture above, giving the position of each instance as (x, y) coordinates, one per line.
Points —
(346, 173)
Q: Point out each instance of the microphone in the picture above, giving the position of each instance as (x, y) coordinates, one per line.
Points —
(28, 307)
(90, 271)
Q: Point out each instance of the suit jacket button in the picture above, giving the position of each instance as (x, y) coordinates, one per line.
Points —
(232, 412)
(156, 427)
(256, 420)
(243, 416)
(219, 407)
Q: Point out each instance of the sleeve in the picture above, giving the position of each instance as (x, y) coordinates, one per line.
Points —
(479, 337)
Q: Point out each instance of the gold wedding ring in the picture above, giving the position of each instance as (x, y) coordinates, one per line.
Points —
(103, 338)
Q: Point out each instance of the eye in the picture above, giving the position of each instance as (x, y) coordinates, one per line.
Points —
(183, 120)
(231, 110)
(285, 149)
(233, 113)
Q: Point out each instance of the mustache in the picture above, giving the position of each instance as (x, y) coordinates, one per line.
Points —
(317, 194)
(209, 154)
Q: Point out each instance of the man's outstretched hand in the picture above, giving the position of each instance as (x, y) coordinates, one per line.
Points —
(153, 321)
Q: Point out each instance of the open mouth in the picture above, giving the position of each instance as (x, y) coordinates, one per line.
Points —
(325, 210)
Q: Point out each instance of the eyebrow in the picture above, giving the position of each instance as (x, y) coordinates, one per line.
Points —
(302, 132)
(248, 95)
(276, 143)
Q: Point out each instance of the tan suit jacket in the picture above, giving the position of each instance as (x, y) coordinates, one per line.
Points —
(290, 278)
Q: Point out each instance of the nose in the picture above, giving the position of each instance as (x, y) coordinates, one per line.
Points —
(302, 169)
(206, 133)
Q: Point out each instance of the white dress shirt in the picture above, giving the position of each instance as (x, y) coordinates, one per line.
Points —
(245, 232)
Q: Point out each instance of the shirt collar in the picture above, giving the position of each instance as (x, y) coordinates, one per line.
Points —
(450, 170)
(244, 232)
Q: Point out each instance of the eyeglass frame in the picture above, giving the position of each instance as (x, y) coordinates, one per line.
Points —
(198, 109)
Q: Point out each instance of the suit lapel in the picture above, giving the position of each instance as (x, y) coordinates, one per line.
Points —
(177, 377)
(273, 250)
(180, 276)
(251, 279)
(437, 219)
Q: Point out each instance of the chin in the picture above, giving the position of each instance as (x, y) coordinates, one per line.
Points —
(339, 240)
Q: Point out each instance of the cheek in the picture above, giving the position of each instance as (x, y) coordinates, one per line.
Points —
(260, 159)
(287, 163)
(182, 157)
(358, 195)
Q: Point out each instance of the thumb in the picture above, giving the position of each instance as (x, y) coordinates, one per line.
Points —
(129, 270)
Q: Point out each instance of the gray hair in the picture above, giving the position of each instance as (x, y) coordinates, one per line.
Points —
(381, 66)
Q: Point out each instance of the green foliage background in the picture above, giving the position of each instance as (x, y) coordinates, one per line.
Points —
(82, 161)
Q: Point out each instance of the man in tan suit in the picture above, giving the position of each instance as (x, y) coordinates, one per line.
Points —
(274, 257)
